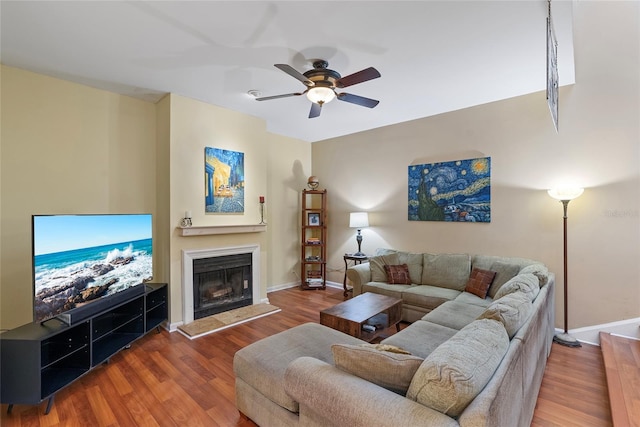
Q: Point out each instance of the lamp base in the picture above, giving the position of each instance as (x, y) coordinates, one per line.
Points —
(359, 254)
(566, 340)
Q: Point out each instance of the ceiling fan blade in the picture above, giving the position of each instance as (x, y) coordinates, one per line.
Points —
(315, 110)
(359, 77)
(359, 100)
(286, 95)
(294, 73)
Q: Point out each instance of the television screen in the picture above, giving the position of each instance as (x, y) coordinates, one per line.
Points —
(78, 259)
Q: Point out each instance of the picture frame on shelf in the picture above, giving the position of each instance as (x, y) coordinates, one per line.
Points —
(313, 219)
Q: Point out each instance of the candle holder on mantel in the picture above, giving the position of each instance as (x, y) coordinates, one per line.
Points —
(262, 210)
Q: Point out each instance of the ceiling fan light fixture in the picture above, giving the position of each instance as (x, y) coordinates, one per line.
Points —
(321, 95)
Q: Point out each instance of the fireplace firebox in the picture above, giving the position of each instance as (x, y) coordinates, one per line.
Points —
(221, 283)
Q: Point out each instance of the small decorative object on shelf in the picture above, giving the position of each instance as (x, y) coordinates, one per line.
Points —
(313, 258)
(262, 210)
(313, 182)
(186, 221)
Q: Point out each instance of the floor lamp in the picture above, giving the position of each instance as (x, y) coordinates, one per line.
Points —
(565, 195)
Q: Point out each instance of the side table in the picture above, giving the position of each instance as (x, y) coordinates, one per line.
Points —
(357, 259)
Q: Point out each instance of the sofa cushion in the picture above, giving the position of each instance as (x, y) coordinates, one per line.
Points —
(413, 338)
(454, 314)
(384, 288)
(526, 283)
(388, 369)
(446, 270)
(467, 298)
(377, 263)
(397, 274)
(504, 273)
(512, 311)
(262, 364)
(453, 375)
(479, 282)
(414, 262)
(539, 270)
(427, 296)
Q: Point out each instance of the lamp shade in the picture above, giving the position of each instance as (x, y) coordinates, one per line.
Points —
(358, 219)
(568, 193)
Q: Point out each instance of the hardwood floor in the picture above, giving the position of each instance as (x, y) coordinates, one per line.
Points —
(621, 363)
(167, 380)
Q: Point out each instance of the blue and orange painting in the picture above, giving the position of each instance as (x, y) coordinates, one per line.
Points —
(224, 181)
(458, 191)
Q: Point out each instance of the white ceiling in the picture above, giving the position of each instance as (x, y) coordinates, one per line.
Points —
(434, 56)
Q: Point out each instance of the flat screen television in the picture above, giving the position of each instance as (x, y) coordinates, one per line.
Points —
(81, 259)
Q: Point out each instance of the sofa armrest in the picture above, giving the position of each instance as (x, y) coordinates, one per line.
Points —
(358, 275)
(329, 396)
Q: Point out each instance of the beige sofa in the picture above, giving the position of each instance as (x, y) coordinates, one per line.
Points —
(473, 361)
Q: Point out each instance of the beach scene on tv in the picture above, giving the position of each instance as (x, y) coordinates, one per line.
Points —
(82, 258)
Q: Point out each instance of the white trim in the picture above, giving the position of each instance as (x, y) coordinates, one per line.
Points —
(188, 255)
(629, 328)
(290, 285)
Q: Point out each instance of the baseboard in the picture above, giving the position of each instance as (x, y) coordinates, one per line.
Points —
(295, 284)
(590, 335)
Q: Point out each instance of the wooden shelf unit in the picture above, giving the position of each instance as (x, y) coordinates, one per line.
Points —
(313, 257)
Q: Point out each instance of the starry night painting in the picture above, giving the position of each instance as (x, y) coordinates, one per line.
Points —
(224, 181)
(458, 191)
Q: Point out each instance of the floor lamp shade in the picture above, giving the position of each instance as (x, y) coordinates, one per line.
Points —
(565, 195)
(359, 220)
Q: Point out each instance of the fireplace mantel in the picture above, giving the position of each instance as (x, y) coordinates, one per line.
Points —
(206, 230)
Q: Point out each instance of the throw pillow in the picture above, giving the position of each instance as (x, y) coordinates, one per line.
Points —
(398, 274)
(377, 263)
(387, 347)
(459, 368)
(388, 369)
(479, 282)
(512, 311)
(504, 272)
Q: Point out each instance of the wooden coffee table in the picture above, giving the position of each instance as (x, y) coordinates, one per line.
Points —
(350, 316)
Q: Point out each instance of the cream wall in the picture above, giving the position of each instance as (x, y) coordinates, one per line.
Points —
(275, 167)
(597, 147)
(66, 148)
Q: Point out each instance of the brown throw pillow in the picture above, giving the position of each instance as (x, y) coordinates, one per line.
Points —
(479, 282)
(398, 274)
(388, 369)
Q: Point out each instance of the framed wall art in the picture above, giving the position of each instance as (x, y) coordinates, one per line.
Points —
(313, 218)
(552, 71)
(224, 181)
(456, 191)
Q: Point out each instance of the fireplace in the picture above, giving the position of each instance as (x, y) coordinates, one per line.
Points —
(221, 283)
(219, 279)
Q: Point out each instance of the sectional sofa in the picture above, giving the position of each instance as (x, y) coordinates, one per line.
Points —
(465, 360)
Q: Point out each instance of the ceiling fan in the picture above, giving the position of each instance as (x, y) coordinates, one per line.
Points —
(321, 83)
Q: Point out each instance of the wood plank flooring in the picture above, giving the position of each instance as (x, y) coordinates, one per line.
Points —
(622, 367)
(167, 380)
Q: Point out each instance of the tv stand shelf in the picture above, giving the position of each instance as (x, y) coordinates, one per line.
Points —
(39, 359)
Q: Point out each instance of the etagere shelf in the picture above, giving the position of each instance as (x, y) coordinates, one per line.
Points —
(313, 258)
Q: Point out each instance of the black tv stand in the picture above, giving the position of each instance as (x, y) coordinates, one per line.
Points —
(40, 358)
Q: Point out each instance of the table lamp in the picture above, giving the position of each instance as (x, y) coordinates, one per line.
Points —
(359, 220)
